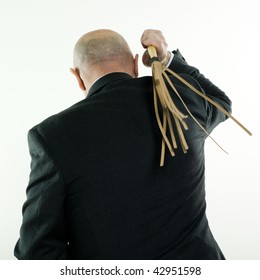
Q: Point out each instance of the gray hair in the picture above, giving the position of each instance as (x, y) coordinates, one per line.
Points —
(99, 46)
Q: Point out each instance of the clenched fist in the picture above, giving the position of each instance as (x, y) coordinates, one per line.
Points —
(152, 37)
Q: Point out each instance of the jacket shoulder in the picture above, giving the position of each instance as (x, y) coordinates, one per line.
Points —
(57, 120)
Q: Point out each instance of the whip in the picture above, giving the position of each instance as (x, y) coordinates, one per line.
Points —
(170, 112)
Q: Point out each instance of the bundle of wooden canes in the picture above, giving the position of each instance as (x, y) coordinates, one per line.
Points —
(161, 93)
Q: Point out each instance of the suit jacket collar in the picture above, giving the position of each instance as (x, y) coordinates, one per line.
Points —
(104, 80)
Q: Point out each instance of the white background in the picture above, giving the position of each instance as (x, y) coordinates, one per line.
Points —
(219, 37)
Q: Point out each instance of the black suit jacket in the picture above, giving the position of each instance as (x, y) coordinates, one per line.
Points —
(96, 190)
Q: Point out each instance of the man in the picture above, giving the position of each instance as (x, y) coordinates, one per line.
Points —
(96, 190)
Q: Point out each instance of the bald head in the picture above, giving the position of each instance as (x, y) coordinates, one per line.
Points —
(101, 46)
(101, 52)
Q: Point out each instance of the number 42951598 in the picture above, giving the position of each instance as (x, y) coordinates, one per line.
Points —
(177, 270)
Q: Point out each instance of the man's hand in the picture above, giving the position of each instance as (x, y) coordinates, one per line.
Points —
(154, 38)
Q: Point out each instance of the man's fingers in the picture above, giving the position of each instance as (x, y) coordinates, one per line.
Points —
(146, 59)
(152, 37)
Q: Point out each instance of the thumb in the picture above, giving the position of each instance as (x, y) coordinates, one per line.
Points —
(146, 59)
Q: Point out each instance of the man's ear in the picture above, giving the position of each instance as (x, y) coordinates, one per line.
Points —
(75, 72)
(136, 65)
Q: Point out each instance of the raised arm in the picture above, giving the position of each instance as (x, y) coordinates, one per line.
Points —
(178, 64)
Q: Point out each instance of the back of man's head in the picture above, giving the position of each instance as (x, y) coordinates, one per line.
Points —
(101, 52)
(99, 47)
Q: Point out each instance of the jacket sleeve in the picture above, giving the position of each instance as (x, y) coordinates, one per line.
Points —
(214, 116)
(43, 230)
